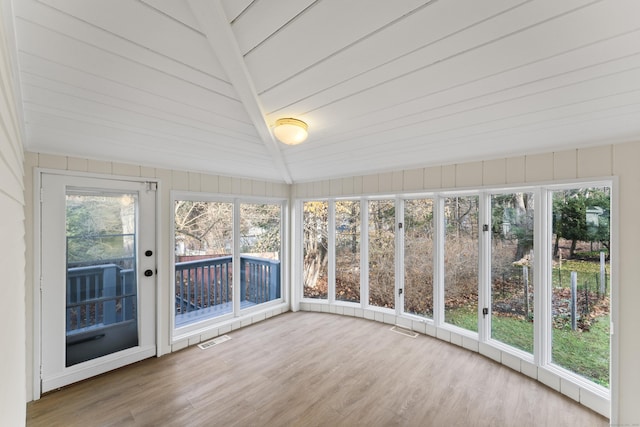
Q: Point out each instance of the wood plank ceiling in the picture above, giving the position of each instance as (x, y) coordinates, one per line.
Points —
(384, 85)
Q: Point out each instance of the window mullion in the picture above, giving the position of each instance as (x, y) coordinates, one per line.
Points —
(484, 269)
(438, 261)
(364, 253)
(542, 279)
(297, 239)
(236, 281)
(331, 242)
(399, 257)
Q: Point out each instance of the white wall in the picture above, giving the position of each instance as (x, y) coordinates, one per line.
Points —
(12, 255)
(608, 160)
(169, 180)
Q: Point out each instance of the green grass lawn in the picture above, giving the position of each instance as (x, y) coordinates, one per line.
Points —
(464, 317)
(514, 331)
(585, 353)
(588, 274)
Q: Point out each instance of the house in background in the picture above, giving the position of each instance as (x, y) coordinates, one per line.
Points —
(400, 98)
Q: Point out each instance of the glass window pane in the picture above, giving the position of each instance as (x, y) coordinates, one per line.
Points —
(315, 249)
(580, 282)
(348, 250)
(512, 269)
(382, 253)
(101, 292)
(203, 260)
(418, 257)
(260, 242)
(461, 262)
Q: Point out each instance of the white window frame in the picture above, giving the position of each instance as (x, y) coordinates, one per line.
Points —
(537, 364)
(209, 324)
(400, 253)
(538, 268)
(440, 291)
(364, 255)
(544, 346)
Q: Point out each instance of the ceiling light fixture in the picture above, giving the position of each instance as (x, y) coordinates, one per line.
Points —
(290, 131)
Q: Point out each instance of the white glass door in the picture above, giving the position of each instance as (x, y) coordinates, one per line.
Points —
(98, 276)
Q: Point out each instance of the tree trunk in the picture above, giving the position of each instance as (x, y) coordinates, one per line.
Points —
(314, 264)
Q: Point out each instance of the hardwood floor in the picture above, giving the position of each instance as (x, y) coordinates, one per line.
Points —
(313, 369)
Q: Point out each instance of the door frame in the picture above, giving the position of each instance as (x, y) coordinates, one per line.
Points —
(37, 267)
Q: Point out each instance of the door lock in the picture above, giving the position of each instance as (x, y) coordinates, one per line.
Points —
(148, 273)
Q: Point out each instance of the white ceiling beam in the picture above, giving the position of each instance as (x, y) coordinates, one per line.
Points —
(215, 25)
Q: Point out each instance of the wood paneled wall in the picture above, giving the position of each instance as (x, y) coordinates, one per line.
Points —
(12, 242)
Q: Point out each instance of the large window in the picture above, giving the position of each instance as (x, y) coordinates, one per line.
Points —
(512, 269)
(382, 253)
(316, 249)
(580, 282)
(203, 260)
(461, 248)
(536, 258)
(260, 229)
(418, 257)
(348, 250)
(205, 253)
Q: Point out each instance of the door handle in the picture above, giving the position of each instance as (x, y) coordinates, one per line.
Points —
(148, 273)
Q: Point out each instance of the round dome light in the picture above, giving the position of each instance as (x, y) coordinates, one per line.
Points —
(290, 131)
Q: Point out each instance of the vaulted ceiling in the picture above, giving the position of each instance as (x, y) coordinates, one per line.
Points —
(383, 85)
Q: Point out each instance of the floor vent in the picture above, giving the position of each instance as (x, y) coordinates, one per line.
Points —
(219, 340)
(403, 331)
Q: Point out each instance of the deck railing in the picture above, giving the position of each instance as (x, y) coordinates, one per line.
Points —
(203, 283)
(204, 288)
(99, 295)
(101, 306)
(259, 279)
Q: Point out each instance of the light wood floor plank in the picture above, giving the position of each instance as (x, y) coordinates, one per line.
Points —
(313, 369)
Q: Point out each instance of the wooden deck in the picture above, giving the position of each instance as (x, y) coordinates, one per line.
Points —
(313, 369)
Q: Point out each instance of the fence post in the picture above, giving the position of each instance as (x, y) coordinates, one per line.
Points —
(182, 308)
(602, 274)
(128, 287)
(560, 269)
(274, 280)
(110, 275)
(71, 291)
(243, 279)
(574, 292)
